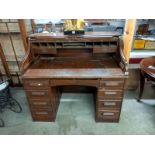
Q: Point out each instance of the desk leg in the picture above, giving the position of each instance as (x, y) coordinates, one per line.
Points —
(142, 82)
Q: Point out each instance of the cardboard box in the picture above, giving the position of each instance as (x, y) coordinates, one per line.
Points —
(150, 45)
(139, 44)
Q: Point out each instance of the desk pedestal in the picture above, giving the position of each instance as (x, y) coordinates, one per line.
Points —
(44, 94)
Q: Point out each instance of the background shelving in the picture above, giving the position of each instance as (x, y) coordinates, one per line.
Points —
(12, 47)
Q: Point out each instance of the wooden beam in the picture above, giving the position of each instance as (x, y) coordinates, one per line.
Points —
(11, 41)
(33, 25)
(5, 65)
(23, 33)
(128, 37)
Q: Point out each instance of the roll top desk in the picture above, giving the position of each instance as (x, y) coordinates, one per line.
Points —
(58, 63)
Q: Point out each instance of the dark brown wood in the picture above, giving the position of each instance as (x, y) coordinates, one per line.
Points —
(108, 115)
(27, 61)
(33, 25)
(36, 83)
(147, 71)
(142, 82)
(113, 103)
(82, 82)
(40, 103)
(74, 63)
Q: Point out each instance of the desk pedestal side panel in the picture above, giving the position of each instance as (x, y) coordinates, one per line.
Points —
(43, 99)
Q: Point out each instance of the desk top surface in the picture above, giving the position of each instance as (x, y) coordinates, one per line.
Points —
(60, 68)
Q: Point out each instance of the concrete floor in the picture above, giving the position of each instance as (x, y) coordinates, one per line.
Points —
(76, 116)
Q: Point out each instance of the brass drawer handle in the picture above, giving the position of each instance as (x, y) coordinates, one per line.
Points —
(108, 114)
(110, 93)
(40, 103)
(41, 113)
(110, 103)
(38, 93)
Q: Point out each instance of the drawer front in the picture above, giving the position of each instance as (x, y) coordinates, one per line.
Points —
(109, 103)
(36, 83)
(108, 115)
(42, 115)
(94, 83)
(107, 94)
(112, 84)
(40, 103)
(38, 93)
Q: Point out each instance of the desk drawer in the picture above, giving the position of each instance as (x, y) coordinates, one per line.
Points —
(104, 94)
(40, 103)
(65, 82)
(109, 103)
(112, 84)
(108, 115)
(42, 115)
(36, 83)
(38, 93)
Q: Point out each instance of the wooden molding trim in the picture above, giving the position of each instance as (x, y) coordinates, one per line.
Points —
(23, 33)
(5, 65)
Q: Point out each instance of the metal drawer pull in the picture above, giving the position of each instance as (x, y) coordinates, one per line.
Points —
(111, 83)
(42, 113)
(108, 114)
(109, 103)
(40, 103)
(110, 93)
(38, 93)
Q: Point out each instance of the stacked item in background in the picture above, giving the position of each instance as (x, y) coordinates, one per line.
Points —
(145, 36)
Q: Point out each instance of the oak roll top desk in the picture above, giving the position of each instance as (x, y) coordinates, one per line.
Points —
(58, 63)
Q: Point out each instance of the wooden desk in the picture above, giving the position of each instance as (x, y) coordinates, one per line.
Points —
(92, 61)
(147, 71)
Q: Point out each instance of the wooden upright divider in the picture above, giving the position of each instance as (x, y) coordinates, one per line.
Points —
(23, 33)
(5, 65)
